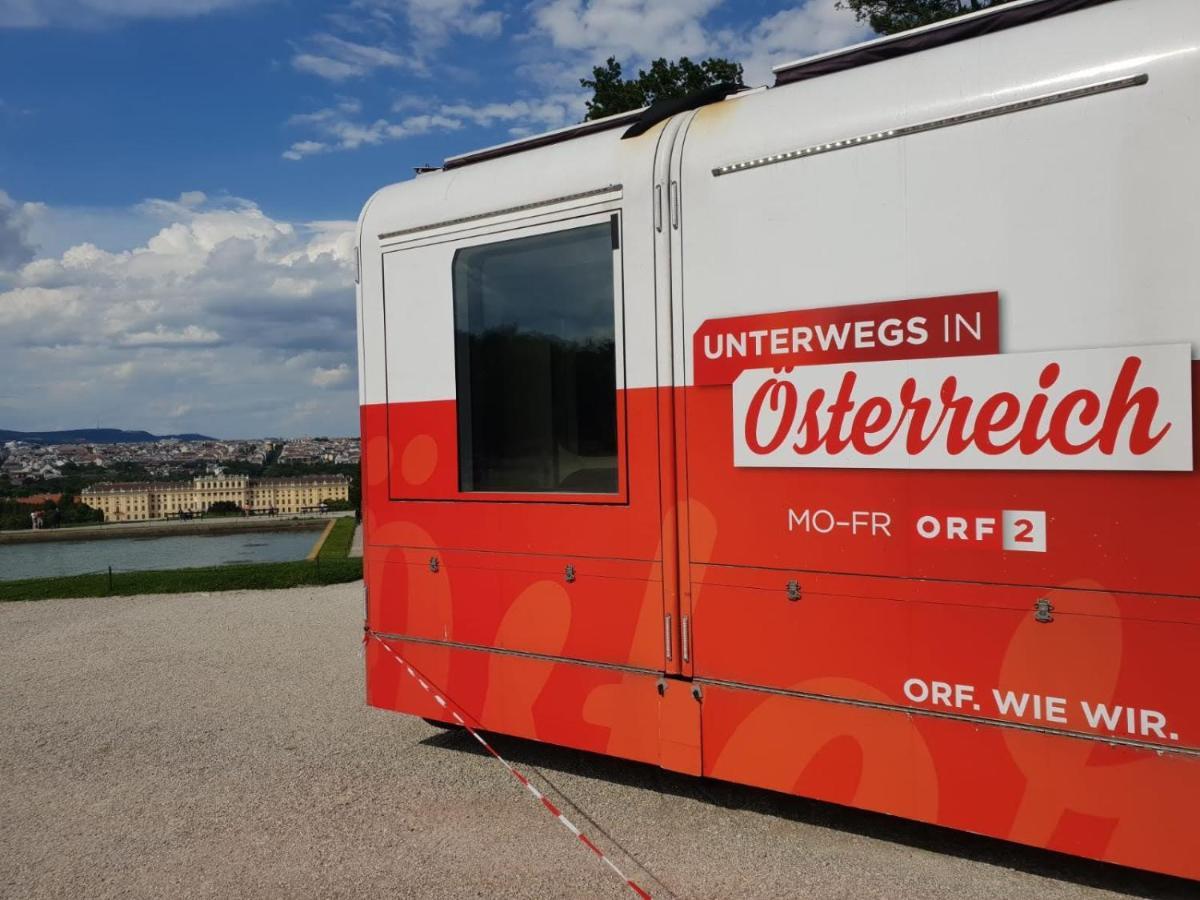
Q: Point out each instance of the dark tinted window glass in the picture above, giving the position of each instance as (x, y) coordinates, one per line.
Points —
(535, 360)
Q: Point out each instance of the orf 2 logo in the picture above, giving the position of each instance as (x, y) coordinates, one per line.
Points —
(1019, 530)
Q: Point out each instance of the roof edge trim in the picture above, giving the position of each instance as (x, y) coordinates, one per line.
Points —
(543, 139)
(948, 31)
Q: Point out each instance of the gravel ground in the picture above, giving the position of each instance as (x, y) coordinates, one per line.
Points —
(218, 746)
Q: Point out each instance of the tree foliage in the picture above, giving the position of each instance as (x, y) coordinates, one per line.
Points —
(612, 93)
(15, 516)
(890, 16)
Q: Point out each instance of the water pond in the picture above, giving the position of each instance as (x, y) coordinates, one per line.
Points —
(55, 558)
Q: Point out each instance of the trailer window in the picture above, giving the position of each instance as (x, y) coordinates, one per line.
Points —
(535, 363)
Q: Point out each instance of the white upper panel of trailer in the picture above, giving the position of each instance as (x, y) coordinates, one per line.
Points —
(445, 198)
(965, 22)
(1052, 163)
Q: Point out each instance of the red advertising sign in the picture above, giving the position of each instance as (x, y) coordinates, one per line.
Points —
(959, 325)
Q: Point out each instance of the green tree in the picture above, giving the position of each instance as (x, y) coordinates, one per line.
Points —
(890, 16)
(612, 93)
(356, 490)
(225, 508)
(14, 516)
(72, 513)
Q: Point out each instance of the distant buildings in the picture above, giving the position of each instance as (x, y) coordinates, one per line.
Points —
(138, 501)
(24, 462)
(342, 451)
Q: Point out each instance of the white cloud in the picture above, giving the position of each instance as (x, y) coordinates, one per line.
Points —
(337, 59)
(86, 13)
(16, 222)
(340, 130)
(641, 29)
(204, 315)
(551, 111)
(345, 106)
(343, 132)
(435, 21)
(192, 335)
(325, 378)
(813, 27)
(301, 149)
(325, 67)
(392, 34)
(192, 198)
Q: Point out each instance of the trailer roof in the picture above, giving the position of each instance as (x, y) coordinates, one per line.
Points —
(915, 40)
(904, 43)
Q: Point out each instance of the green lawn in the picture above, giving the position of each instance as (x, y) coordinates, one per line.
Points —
(331, 566)
(337, 545)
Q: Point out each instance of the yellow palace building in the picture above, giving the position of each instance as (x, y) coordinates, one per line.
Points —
(138, 501)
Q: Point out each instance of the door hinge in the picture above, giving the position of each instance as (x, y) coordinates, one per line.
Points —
(1043, 609)
(433, 564)
(793, 590)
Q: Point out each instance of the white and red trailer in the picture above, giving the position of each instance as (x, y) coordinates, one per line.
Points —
(837, 437)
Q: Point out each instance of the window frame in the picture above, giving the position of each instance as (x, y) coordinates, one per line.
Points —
(500, 232)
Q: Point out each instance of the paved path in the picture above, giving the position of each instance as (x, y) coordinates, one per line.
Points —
(356, 542)
(218, 746)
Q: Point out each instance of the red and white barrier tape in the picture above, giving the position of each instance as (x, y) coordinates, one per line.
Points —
(441, 701)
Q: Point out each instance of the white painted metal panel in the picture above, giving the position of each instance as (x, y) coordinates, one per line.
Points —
(1082, 214)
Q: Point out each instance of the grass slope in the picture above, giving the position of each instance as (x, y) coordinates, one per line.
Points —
(337, 544)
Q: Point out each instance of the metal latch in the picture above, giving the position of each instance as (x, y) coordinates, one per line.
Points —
(433, 564)
(793, 590)
(1042, 610)
(569, 573)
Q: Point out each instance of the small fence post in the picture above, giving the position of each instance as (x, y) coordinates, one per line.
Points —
(110, 579)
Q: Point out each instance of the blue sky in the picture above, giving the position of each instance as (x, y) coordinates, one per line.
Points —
(178, 177)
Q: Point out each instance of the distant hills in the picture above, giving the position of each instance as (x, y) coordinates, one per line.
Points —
(94, 436)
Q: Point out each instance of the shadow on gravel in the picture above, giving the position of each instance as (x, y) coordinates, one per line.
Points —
(934, 838)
